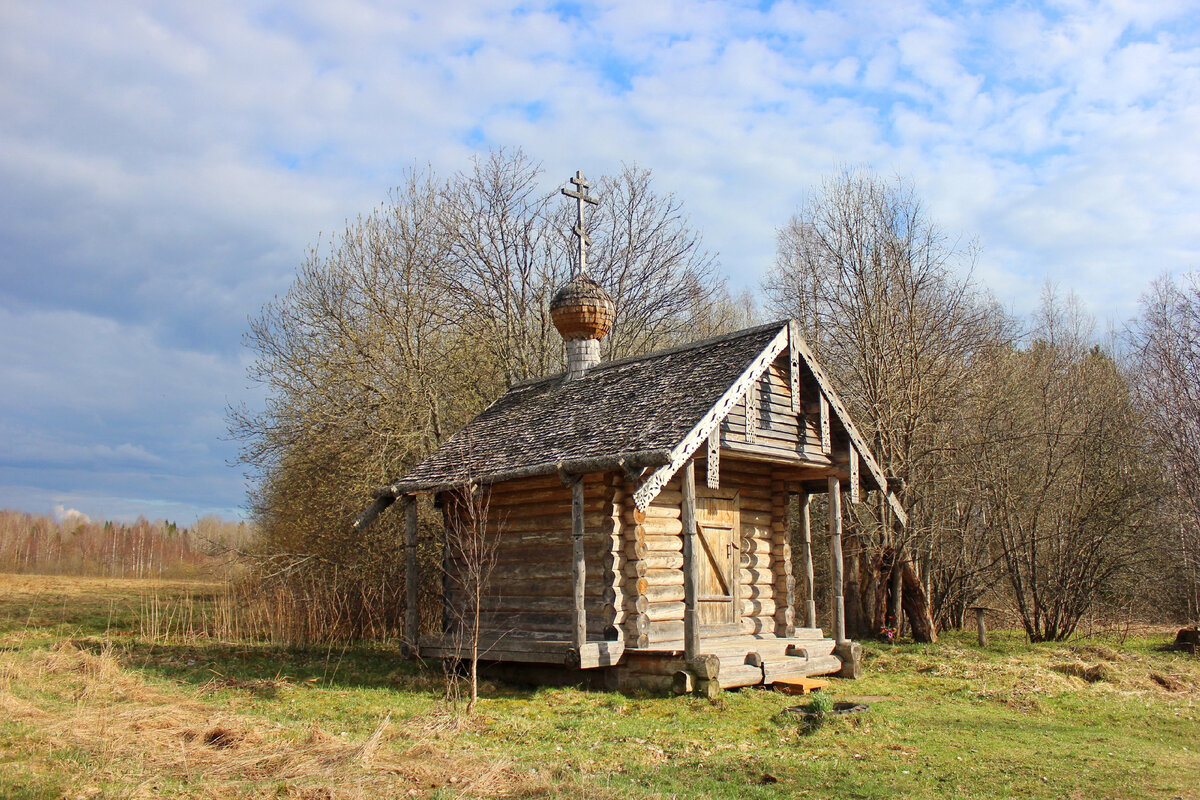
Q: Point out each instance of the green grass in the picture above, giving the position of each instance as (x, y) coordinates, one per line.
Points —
(946, 720)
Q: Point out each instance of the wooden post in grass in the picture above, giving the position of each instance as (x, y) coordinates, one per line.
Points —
(980, 623)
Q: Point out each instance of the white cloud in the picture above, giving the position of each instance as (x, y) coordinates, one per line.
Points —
(165, 166)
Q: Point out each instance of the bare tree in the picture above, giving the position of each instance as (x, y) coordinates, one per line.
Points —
(408, 322)
(1167, 364)
(1054, 452)
(876, 287)
(470, 556)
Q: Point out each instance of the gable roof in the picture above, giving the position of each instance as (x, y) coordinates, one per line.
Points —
(650, 411)
(638, 407)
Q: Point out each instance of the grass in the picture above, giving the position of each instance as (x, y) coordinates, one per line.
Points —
(96, 702)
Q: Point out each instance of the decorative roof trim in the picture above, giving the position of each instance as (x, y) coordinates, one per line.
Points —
(712, 418)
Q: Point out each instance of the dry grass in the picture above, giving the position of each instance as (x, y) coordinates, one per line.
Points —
(146, 741)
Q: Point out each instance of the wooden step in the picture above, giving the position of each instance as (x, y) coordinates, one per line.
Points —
(799, 685)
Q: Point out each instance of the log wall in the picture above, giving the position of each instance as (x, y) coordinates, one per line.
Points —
(529, 593)
(653, 571)
(777, 429)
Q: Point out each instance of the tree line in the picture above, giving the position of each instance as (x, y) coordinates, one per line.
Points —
(1042, 470)
(75, 545)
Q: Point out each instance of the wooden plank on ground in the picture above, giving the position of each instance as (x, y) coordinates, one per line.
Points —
(800, 685)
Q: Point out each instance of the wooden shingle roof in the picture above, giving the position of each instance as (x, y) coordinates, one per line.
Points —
(635, 410)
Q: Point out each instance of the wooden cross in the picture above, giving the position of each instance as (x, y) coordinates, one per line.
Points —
(581, 196)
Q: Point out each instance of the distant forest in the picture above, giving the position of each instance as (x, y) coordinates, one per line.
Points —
(31, 543)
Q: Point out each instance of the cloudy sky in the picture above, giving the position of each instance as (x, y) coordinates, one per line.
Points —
(163, 167)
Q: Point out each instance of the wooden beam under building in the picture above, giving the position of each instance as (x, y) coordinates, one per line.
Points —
(806, 539)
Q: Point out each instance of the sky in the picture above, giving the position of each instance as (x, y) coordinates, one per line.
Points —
(165, 166)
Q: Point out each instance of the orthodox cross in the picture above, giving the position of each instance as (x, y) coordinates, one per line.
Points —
(581, 196)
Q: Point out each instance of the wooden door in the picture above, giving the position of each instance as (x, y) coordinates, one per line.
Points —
(718, 543)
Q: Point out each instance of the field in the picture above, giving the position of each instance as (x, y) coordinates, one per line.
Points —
(105, 693)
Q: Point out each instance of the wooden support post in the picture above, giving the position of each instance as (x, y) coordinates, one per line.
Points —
(835, 555)
(806, 537)
(691, 625)
(411, 615)
(781, 566)
(578, 568)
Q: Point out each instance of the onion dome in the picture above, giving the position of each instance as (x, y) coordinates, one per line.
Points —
(582, 310)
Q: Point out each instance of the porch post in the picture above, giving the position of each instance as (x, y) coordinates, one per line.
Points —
(835, 554)
(691, 628)
(578, 570)
(806, 538)
(411, 615)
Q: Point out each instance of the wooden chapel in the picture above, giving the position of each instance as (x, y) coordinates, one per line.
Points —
(638, 508)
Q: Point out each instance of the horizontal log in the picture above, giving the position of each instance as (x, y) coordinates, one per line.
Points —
(785, 615)
(758, 608)
(635, 568)
(758, 518)
(785, 585)
(757, 560)
(668, 498)
(653, 513)
(547, 523)
(660, 526)
(637, 624)
(744, 465)
(536, 570)
(513, 604)
(753, 544)
(664, 544)
(664, 577)
(504, 623)
(666, 632)
(665, 593)
(637, 604)
(749, 502)
(756, 531)
(757, 591)
(746, 576)
(525, 509)
(636, 550)
(658, 559)
(659, 612)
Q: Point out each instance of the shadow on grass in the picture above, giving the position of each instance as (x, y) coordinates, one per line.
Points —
(261, 669)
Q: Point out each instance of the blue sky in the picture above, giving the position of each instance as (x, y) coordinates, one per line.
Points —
(163, 167)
